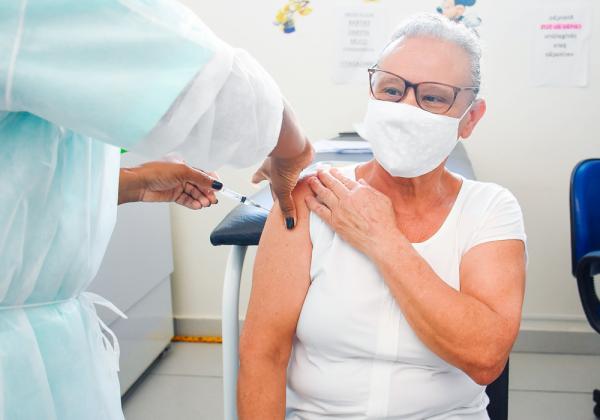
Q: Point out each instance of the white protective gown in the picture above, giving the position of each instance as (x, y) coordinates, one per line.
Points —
(78, 80)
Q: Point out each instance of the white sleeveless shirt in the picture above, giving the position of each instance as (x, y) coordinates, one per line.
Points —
(355, 356)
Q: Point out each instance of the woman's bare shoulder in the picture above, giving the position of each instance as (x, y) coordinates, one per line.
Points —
(275, 233)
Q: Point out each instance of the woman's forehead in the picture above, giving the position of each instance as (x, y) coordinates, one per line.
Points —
(427, 59)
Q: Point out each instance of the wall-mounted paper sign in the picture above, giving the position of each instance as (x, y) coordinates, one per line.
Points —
(561, 50)
(361, 33)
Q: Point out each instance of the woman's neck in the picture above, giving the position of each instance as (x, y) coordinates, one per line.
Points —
(415, 195)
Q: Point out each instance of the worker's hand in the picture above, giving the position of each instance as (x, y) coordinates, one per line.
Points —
(168, 182)
(283, 173)
(282, 168)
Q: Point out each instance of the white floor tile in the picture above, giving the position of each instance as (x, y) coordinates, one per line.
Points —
(554, 372)
(198, 359)
(173, 397)
(187, 384)
(533, 405)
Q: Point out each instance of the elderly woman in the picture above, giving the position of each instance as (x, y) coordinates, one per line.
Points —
(399, 294)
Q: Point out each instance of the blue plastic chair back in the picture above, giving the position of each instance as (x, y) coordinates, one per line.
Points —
(585, 209)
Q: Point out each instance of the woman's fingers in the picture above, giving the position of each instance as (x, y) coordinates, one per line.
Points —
(324, 194)
(333, 184)
(322, 211)
(348, 183)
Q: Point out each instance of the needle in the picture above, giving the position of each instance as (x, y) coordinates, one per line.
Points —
(240, 198)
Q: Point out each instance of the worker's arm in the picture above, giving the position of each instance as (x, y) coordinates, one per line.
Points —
(114, 88)
(279, 286)
(282, 168)
(180, 90)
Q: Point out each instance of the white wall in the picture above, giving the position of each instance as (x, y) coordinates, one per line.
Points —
(529, 140)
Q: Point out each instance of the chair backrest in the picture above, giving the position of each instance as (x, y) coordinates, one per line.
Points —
(585, 209)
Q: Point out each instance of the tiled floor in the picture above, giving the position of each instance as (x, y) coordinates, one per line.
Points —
(186, 385)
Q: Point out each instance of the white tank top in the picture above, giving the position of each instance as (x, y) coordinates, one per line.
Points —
(355, 356)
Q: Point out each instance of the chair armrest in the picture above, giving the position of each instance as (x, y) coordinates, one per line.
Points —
(588, 265)
(242, 226)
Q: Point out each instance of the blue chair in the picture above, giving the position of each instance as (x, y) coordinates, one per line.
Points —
(242, 228)
(585, 241)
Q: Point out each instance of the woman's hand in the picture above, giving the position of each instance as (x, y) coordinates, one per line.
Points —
(360, 214)
(168, 182)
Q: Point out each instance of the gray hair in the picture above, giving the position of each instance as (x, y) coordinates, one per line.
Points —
(440, 27)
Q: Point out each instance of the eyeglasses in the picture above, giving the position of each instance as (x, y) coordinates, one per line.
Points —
(433, 97)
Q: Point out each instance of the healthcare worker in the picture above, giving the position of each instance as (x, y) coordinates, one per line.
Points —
(79, 80)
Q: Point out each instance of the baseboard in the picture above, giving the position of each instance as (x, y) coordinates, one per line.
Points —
(565, 334)
(539, 334)
(199, 326)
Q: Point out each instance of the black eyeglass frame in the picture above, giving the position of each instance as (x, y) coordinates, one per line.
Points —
(408, 84)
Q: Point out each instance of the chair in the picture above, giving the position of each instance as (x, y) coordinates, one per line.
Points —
(585, 241)
(242, 228)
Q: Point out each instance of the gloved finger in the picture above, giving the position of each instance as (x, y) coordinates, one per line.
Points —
(322, 211)
(333, 184)
(202, 179)
(288, 208)
(324, 194)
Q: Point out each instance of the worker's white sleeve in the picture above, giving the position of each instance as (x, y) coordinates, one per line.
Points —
(109, 70)
(231, 113)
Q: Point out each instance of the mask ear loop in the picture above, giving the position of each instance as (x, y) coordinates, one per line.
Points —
(458, 137)
(467, 110)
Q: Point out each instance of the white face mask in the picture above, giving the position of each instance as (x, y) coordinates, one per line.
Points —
(408, 141)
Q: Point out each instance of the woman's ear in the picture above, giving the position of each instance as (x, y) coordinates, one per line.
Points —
(470, 120)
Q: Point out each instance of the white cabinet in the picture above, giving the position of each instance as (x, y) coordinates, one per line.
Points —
(135, 276)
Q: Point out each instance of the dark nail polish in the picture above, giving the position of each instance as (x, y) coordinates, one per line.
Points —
(289, 222)
(217, 185)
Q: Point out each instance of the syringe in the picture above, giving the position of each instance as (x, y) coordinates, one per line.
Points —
(240, 198)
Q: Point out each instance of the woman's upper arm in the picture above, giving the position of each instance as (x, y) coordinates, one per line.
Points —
(493, 268)
(280, 281)
(494, 273)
